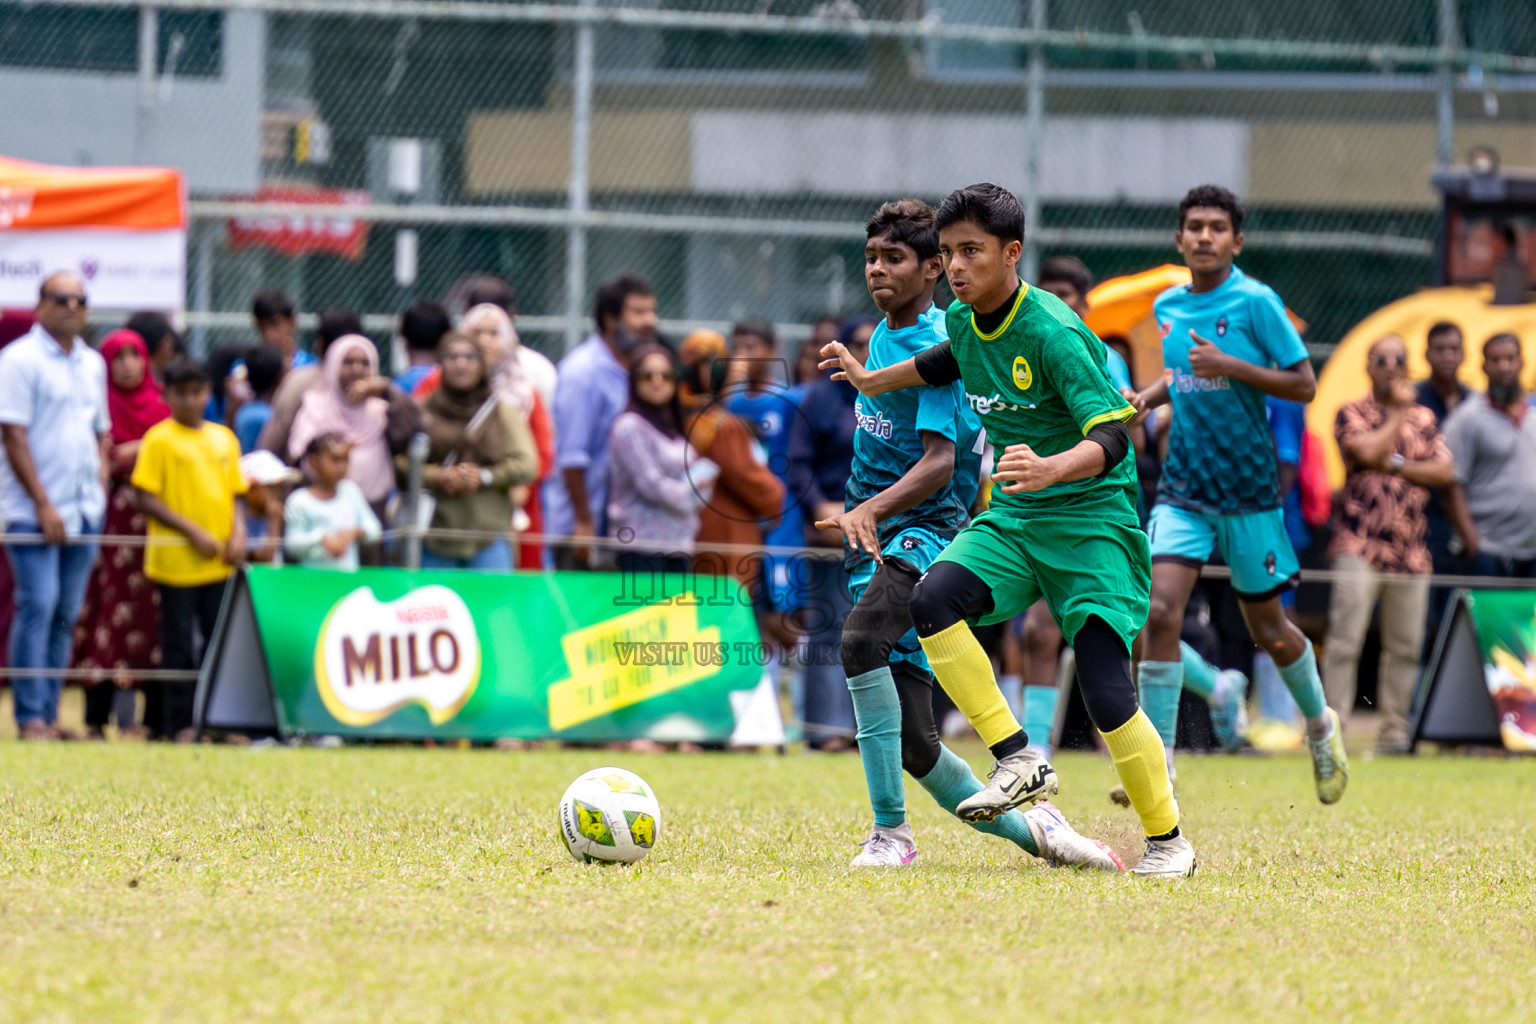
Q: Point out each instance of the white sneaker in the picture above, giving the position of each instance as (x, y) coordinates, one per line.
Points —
(1167, 858)
(1020, 778)
(1061, 845)
(887, 848)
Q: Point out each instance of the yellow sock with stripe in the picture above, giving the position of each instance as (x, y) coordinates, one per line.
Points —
(965, 672)
(1137, 751)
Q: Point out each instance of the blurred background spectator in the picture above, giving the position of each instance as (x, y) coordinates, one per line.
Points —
(1393, 454)
(658, 481)
(119, 623)
(820, 460)
(480, 449)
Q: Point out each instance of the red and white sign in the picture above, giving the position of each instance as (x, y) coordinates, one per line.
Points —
(296, 235)
(122, 229)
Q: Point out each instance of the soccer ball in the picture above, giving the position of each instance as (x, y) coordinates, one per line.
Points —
(609, 816)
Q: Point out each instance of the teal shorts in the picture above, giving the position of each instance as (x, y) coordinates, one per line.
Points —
(1253, 544)
(918, 547)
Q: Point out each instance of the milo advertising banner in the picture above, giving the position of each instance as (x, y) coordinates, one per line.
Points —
(391, 653)
(1480, 686)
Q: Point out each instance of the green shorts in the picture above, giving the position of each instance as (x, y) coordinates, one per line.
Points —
(1081, 565)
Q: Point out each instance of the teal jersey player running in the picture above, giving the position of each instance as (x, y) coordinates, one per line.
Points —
(889, 442)
(915, 473)
(1228, 344)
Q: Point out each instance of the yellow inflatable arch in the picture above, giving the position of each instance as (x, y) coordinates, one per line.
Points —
(1343, 377)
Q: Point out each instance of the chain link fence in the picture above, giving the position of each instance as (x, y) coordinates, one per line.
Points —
(367, 152)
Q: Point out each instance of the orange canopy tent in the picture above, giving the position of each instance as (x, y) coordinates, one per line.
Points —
(122, 229)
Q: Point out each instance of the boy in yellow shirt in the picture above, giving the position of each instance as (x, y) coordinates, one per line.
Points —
(187, 482)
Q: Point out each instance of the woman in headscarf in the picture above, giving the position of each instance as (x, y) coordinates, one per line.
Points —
(526, 378)
(480, 449)
(657, 482)
(119, 624)
(355, 402)
(747, 491)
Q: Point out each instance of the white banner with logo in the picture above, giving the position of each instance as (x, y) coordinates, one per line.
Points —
(122, 269)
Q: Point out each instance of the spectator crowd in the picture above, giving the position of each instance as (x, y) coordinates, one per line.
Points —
(663, 458)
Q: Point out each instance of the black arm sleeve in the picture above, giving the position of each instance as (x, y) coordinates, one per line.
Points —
(937, 365)
(1114, 439)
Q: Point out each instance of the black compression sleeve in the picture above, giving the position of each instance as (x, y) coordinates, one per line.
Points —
(1114, 439)
(937, 365)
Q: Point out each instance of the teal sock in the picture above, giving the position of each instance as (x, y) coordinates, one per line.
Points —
(951, 781)
(1200, 676)
(1301, 679)
(1040, 716)
(878, 713)
(1160, 683)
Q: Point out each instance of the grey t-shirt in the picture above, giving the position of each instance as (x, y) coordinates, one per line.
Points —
(1495, 462)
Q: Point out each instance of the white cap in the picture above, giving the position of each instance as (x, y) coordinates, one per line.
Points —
(262, 467)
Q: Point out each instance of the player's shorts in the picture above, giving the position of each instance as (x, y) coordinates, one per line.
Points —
(1254, 545)
(1081, 565)
(918, 547)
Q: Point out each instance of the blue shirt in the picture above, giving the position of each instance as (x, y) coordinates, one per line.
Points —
(61, 398)
(591, 389)
(413, 376)
(249, 419)
(1221, 458)
(887, 441)
(1287, 424)
(771, 414)
(1119, 373)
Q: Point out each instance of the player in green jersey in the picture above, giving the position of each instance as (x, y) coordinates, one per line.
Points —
(1062, 525)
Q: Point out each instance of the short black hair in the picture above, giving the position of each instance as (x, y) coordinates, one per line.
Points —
(424, 324)
(1503, 337)
(480, 289)
(993, 208)
(1213, 197)
(336, 322)
(263, 368)
(154, 328)
(320, 442)
(908, 222)
(758, 328)
(271, 304)
(1068, 269)
(1445, 327)
(185, 370)
(42, 288)
(614, 292)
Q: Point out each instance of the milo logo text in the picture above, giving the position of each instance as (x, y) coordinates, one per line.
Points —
(374, 657)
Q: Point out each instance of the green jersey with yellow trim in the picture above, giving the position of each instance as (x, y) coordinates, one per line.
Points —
(1040, 379)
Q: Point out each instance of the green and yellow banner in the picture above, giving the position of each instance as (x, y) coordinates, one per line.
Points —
(392, 653)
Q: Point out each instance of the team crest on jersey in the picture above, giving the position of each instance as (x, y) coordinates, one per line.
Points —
(1165, 328)
(1221, 328)
(908, 543)
(1023, 376)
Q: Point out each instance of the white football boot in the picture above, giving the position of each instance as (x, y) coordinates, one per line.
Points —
(1167, 858)
(1061, 845)
(887, 848)
(1020, 778)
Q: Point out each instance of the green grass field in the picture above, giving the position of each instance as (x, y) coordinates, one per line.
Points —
(211, 883)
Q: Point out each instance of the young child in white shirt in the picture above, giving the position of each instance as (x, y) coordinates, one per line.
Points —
(323, 522)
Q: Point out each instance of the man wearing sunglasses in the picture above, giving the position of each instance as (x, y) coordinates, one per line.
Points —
(1393, 455)
(54, 428)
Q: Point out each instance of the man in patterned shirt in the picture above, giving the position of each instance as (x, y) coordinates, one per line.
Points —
(1393, 454)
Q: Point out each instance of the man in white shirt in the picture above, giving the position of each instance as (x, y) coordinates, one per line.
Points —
(54, 428)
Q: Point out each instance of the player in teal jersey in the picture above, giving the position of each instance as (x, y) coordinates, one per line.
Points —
(1062, 524)
(916, 468)
(1227, 343)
